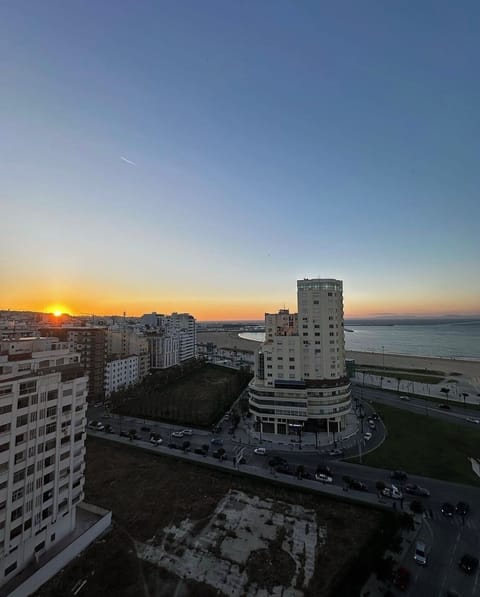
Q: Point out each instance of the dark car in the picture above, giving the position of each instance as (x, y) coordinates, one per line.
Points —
(218, 454)
(402, 579)
(307, 475)
(462, 508)
(468, 563)
(284, 469)
(358, 485)
(444, 406)
(216, 441)
(413, 489)
(172, 445)
(399, 475)
(124, 434)
(448, 510)
(108, 429)
(276, 461)
(374, 417)
(200, 451)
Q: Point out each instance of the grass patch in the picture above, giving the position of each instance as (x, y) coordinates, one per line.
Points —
(426, 446)
(199, 397)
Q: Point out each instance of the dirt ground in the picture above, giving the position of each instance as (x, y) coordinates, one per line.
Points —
(147, 493)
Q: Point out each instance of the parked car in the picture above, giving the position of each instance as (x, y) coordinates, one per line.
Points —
(414, 489)
(124, 434)
(98, 404)
(367, 436)
(336, 452)
(402, 579)
(462, 508)
(444, 406)
(472, 420)
(200, 451)
(323, 478)
(132, 434)
(448, 510)
(358, 485)
(187, 432)
(276, 461)
(420, 555)
(99, 427)
(93, 424)
(392, 492)
(405, 398)
(156, 440)
(108, 429)
(218, 454)
(468, 563)
(323, 468)
(260, 451)
(177, 434)
(399, 476)
(371, 424)
(216, 441)
(375, 417)
(284, 469)
(172, 445)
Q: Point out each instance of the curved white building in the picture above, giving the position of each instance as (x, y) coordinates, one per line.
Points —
(300, 376)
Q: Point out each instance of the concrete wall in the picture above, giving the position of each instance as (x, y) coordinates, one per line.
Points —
(43, 574)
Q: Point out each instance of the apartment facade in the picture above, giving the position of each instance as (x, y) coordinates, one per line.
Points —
(121, 373)
(43, 392)
(300, 376)
(124, 342)
(172, 339)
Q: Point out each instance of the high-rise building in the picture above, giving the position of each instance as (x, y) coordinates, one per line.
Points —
(91, 344)
(300, 377)
(172, 339)
(43, 392)
(121, 373)
(124, 342)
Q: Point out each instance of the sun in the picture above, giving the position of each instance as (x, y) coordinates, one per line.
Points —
(57, 310)
(57, 313)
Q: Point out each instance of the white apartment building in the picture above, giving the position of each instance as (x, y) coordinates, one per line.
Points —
(121, 373)
(43, 394)
(300, 376)
(124, 341)
(164, 351)
(174, 340)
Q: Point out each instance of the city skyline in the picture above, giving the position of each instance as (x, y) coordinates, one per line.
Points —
(199, 158)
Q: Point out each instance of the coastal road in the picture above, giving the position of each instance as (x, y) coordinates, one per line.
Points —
(457, 413)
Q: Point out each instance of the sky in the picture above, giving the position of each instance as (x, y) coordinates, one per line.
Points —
(203, 156)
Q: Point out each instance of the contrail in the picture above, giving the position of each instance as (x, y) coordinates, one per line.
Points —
(128, 161)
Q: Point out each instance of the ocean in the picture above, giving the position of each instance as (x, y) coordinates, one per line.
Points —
(453, 340)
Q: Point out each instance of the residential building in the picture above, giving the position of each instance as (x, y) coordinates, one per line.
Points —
(91, 344)
(123, 342)
(43, 390)
(164, 351)
(172, 339)
(121, 373)
(300, 376)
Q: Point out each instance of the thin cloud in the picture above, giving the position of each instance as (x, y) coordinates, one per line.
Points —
(127, 161)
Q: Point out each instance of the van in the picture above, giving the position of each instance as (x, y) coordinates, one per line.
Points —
(420, 554)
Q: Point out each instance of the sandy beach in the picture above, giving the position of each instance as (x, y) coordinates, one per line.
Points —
(469, 368)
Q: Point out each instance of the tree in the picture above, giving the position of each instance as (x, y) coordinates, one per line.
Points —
(205, 447)
(380, 485)
(464, 396)
(384, 569)
(406, 521)
(416, 507)
(221, 453)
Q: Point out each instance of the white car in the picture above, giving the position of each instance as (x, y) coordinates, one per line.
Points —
(405, 398)
(392, 492)
(156, 441)
(323, 478)
(187, 432)
(367, 436)
(472, 420)
(260, 451)
(177, 434)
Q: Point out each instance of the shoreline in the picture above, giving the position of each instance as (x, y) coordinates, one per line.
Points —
(464, 365)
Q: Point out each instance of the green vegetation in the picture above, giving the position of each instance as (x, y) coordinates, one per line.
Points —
(425, 446)
(195, 395)
(408, 375)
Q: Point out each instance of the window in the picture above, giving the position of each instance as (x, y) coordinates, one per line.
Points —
(50, 445)
(52, 395)
(51, 411)
(39, 547)
(22, 402)
(50, 460)
(19, 456)
(34, 399)
(51, 427)
(5, 409)
(10, 568)
(22, 420)
(28, 387)
(31, 451)
(19, 476)
(40, 448)
(20, 439)
(33, 417)
(32, 434)
(5, 428)
(17, 513)
(30, 470)
(15, 533)
(27, 524)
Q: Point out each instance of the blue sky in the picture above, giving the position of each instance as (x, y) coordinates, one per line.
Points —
(271, 141)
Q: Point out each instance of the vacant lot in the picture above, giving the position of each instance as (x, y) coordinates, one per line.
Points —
(199, 398)
(155, 499)
(426, 446)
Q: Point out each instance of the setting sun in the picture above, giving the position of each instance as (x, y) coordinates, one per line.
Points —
(56, 310)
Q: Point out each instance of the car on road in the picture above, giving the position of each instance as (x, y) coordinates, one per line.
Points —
(108, 429)
(414, 489)
(260, 451)
(177, 434)
(96, 425)
(375, 417)
(336, 452)
(98, 404)
(472, 420)
(323, 468)
(399, 476)
(392, 492)
(276, 461)
(200, 451)
(448, 510)
(218, 454)
(124, 434)
(420, 555)
(172, 445)
(462, 508)
(284, 469)
(371, 424)
(468, 563)
(405, 398)
(187, 432)
(444, 406)
(323, 478)
(358, 485)
(367, 436)
(402, 579)
(216, 441)
(155, 439)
